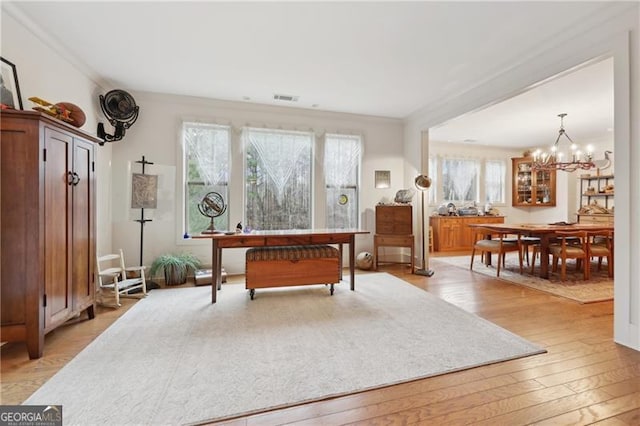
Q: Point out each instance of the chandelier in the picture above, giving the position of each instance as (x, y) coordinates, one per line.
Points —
(568, 160)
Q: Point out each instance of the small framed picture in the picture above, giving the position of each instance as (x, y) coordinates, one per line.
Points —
(382, 179)
(9, 87)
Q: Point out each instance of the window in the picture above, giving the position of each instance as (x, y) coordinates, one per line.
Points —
(433, 174)
(460, 180)
(341, 170)
(206, 158)
(494, 178)
(278, 179)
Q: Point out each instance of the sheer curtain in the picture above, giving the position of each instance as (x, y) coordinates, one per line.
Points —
(207, 168)
(460, 179)
(495, 171)
(342, 154)
(278, 170)
(208, 146)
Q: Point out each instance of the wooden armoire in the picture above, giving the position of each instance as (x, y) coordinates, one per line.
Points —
(48, 225)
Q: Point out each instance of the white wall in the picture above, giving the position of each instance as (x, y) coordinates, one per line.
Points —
(156, 135)
(616, 36)
(43, 71)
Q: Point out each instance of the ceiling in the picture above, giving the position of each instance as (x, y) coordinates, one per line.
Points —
(531, 118)
(376, 58)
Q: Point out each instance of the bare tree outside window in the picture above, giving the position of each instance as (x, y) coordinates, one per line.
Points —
(460, 180)
(278, 179)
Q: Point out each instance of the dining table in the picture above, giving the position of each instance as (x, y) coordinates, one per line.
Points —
(545, 231)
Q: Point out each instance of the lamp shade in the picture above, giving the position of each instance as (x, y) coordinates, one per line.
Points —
(422, 182)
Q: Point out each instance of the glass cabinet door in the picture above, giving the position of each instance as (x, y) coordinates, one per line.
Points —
(532, 188)
(523, 182)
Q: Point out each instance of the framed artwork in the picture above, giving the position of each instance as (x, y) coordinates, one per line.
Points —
(383, 179)
(9, 87)
(144, 194)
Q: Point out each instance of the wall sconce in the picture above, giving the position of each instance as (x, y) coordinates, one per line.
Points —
(383, 179)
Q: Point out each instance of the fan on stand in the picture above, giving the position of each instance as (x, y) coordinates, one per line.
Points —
(212, 206)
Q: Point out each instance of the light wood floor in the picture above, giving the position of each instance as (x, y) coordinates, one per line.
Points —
(585, 378)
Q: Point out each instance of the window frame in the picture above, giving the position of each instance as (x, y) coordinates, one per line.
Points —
(436, 167)
(504, 177)
(312, 165)
(186, 183)
(358, 176)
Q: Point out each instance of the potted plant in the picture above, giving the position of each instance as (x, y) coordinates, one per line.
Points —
(175, 267)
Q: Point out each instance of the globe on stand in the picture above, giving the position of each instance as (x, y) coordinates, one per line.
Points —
(212, 206)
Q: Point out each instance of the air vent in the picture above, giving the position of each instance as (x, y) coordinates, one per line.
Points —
(287, 98)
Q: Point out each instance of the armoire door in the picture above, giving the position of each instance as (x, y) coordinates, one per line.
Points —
(57, 224)
(82, 230)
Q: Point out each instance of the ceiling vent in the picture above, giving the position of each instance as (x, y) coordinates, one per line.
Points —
(287, 98)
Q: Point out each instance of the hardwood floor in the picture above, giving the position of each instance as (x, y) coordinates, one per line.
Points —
(585, 378)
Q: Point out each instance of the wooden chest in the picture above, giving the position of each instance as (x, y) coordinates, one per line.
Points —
(282, 266)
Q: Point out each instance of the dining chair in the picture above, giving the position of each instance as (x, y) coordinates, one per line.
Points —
(601, 246)
(571, 245)
(532, 243)
(116, 278)
(491, 241)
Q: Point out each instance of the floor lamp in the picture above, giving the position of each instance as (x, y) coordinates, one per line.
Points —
(423, 182)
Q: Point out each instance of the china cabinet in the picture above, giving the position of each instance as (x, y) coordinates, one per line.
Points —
(530, 187)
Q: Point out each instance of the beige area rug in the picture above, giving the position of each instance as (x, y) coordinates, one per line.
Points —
(598, 289)
(175, 358)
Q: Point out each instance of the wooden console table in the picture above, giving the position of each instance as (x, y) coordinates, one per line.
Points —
(295, 237)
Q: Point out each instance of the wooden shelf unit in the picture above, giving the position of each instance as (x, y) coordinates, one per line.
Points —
(532, 188)
(452, 233)
(599, 194)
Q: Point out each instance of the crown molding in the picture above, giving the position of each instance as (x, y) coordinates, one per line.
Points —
(49, 40)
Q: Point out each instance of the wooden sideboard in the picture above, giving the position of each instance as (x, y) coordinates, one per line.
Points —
(452, 233)
(48, 226)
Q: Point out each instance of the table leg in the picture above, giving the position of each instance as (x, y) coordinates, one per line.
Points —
(544, 256)
(215, 269)
(340, 254)
(487, 254)
(219, 268)
(352, 262)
